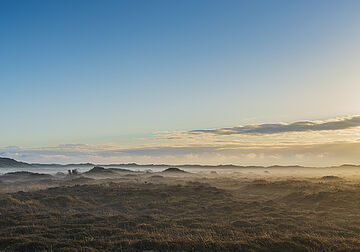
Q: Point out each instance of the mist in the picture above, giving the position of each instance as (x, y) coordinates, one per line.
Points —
(195, 207)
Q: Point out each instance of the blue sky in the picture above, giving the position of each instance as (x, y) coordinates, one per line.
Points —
(116, 73)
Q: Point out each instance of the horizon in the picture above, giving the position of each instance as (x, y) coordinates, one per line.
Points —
(207, 82)
(208, 125)
(180, 165)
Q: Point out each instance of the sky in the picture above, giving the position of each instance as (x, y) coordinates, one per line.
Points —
(197, 82)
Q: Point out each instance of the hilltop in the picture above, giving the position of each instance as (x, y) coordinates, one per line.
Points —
(8, 162)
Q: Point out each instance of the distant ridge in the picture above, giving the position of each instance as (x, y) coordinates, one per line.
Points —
(63, 165)
(8, 162)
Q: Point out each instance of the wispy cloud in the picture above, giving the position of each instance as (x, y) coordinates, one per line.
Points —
(278, 128)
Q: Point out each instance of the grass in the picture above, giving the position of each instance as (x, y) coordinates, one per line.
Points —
(183, 214)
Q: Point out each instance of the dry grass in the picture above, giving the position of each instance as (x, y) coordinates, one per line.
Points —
(182, 214)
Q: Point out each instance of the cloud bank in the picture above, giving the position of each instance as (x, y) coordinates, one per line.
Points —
(209, 147)
(308, 154)
(278, 128)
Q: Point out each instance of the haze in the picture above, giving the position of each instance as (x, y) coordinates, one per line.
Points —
(126, 81)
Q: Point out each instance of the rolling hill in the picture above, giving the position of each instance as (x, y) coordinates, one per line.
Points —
(8, 162)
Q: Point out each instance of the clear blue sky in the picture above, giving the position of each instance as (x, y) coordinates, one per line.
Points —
(115, 71)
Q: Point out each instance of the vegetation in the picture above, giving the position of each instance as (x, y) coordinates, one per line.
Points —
(174, 170)
(184, 213)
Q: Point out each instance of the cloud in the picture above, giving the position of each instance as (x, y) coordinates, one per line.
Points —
(310, 154)
(208, 147)
(278, 128)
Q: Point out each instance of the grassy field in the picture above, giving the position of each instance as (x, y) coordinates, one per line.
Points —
(124, 211)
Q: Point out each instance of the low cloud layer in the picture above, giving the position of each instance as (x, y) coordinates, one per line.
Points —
(208, 147)
(277, 128)
(308, 154)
